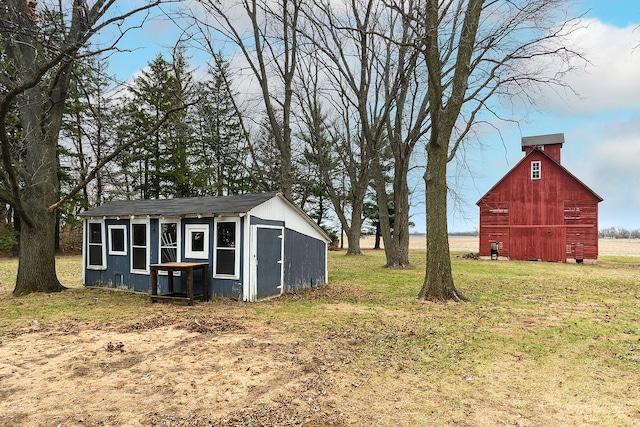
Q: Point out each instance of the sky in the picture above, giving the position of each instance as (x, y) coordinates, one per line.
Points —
(601, 125)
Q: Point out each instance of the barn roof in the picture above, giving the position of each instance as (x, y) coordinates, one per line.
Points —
(181, 207)
(537, 150)
(538, 140)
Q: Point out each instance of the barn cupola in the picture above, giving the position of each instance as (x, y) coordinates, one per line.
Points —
(551, 144)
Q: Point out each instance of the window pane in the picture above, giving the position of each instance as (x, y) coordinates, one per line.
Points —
(535, 170)
(226, 235)
(197, 241)
(117, 239)
(95, 233)
(225, 261)
(139, 235)
(95, 255)
(139, 258)
(168, 255)
(169, 234)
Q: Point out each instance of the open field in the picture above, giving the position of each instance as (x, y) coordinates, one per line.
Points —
(540, 344)
(606, 247)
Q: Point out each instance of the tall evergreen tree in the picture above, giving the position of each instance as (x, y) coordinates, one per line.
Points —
(87, 133)
(221, 153)
(160, 167)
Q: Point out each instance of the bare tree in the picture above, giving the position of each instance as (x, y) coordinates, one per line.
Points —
(338, 155)
(407, 122)
(40, 47)
(266, 33)
(351, 57)
(477, 51)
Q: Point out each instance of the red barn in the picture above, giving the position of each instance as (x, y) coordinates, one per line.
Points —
(539, 210)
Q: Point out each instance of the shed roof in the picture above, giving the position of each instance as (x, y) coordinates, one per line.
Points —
(537, 140)
(181, 207)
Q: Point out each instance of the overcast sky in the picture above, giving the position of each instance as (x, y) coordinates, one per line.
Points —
(601, 126)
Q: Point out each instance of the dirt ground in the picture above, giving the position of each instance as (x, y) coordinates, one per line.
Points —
(157, 374)
(224, 370)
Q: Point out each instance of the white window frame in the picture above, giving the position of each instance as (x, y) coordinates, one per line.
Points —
(160, 243)
(103, 244)
(144, 222)
(236, 248)
(536, 169)
(112, 227)
(188, 250)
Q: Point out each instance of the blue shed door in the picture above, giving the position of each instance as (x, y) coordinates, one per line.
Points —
(269, 266)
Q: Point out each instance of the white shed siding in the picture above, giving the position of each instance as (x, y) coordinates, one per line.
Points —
(278, 209)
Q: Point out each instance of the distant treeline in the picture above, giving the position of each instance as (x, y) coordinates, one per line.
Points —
(464, 233)
(619, 233)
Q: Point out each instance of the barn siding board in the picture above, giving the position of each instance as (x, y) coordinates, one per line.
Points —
(499, 235)
(542, 213)
(495, 213)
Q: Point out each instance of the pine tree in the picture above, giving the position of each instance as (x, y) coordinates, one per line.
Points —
(87, 134)
(222, 153)
(160, 167)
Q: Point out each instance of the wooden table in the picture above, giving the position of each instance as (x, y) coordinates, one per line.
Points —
(187, 267)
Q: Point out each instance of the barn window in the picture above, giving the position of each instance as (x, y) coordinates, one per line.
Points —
(227, 255)
(96, 257)
(117, 239)
(139, 247)
(535, 170)
(197, 242)
(169, 238)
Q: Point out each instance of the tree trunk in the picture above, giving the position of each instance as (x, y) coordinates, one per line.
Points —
(438, 282)
(401, 220)
(354, 231)
(37, 267)
(396, 238)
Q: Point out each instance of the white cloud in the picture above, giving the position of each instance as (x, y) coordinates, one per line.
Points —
(610, 80)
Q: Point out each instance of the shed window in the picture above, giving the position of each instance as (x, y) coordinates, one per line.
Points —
(117, 240)
(227, 255)
(197, 241)
(96, 256)
(535, 170)
(139, 247)
(169, 238)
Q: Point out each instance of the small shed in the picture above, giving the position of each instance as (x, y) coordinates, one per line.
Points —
(256, 245)
(539, 210)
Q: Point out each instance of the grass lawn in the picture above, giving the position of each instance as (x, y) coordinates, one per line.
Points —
(538, 343)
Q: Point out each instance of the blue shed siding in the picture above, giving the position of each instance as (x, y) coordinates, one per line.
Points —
(304, 261)
(118, 272)
(226, 288)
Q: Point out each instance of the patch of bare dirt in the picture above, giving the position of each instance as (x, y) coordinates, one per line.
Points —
(163, 372)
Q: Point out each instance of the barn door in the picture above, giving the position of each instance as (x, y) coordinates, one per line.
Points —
(269, 261)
